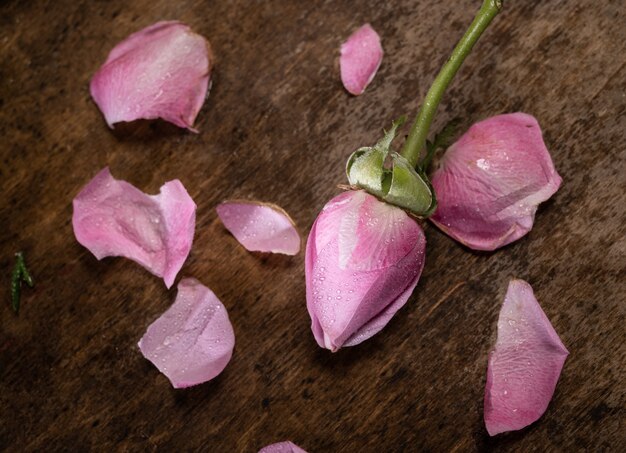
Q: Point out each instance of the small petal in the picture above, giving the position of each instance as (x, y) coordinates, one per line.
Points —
(162, 71)
(114, 218)
(363, 260)
(525, 365)
(361, 56)
(491, 181)
(282, 447)
(260, 227)
(193, 341)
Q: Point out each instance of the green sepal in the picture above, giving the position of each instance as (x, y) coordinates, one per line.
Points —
(385, 142)
(408, 189)
(389, 176)
(433, 204)
(365, 168)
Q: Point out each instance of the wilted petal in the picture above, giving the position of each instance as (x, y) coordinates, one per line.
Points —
(162, 71)
(525, 365)
(491, 181)
(361, 56)
(282, 447)
(260, 227)
(114, 218)
(363, 260)
(193, 341)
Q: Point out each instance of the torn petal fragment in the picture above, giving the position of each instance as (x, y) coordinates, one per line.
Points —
(361, 56)
(193, 341)
(282, 447)
(114, 218)
(162, 71)
(491, 181)
(525, 364)
(260, 227)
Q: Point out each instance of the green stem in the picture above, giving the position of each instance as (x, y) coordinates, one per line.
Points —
(416, 140)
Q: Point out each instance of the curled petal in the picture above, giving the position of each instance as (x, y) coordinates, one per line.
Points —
(525, 364)
(260, 227)
(193, 341)
(282, 447)
(162, 71)
(114, 218)
(363, 260)
(361, 56)
(491, 181)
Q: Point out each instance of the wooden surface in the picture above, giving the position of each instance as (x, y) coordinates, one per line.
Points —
(278, 127)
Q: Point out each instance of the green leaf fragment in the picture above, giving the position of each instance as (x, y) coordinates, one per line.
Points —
(16, 289)
(20, 274)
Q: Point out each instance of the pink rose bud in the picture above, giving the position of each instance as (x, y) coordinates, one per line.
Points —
(363, 260)
(491, 181)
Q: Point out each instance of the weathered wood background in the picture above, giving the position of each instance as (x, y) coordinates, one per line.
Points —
(278, 126)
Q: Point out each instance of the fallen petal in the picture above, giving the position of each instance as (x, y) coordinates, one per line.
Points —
(193, 341)
(260, 227)
(361, 56)
(162, 71)
(282, 447)
(525, 364)
(114, 218)
(491, 181)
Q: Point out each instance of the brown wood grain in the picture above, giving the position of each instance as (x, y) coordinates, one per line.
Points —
(278, 126)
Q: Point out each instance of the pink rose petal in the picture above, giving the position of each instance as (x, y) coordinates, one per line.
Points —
(114, 218)
(361, 56)
(491, 181)
(260, 227)
(525, 365)
(162, 71)
(193, 341)
(282, 447)
(363, 260)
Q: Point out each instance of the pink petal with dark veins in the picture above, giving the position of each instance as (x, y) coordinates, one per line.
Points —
(491, 181)
(193, 341)
(114, 218)
(162, 71)
(282, 447)
(525, 364)
(260, 227)
(361, 56)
